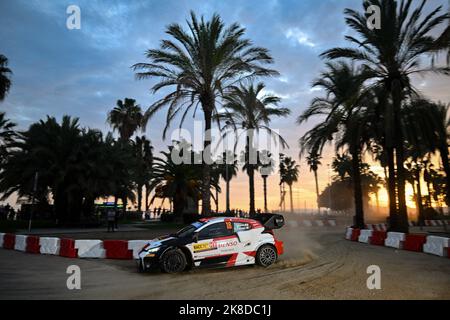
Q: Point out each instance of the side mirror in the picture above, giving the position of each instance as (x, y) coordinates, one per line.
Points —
(195, 237)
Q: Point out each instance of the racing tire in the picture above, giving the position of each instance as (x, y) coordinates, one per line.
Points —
(173, 261)
(266, 256)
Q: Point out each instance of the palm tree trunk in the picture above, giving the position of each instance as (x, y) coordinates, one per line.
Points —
(317, 191)
(446, 164)
(291, 199)
(251, 184)
(358, 220)
(217, 200)
(265, 193)
(146, 197)
(400, 158)
(419, 200)
(206, 183)
(391, 189)
(139, 198)
(228, 196)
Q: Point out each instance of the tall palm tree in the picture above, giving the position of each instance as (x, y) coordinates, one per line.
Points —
(290, 175)
(267, 167)
(390, 55)
(142, 168)
(7, 135)
(201, 64)
(5, 81)
(126, 118)
(313, 161)
(343, 108)
(228, 170)
(248, 111)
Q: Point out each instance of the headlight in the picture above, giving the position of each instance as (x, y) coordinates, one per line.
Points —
(153, 249)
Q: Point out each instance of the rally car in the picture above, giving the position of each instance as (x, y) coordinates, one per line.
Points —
(216, 242)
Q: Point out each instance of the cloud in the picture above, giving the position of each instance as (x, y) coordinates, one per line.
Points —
(299, 37)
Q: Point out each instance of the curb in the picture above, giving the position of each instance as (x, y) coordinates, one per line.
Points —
(70, 248)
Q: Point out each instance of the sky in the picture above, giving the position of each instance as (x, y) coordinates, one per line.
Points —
(82, 73)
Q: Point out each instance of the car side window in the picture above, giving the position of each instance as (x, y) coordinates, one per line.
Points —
(215, 230)
(241, 226)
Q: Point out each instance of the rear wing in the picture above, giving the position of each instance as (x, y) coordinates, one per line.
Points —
(270, 221)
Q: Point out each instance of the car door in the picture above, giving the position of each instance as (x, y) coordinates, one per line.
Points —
(246, 247)
(216, 245)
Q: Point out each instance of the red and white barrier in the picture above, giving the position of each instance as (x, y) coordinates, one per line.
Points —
(67, 248)
(377, 226)
(117, 249)
(21, 243)
(437, 246)
(365, 235)
(414, 242)
(378, 238)
(90, 248)
(33, 245)
(49, 245)
(136, 246)
(394, 240)
(348, 233)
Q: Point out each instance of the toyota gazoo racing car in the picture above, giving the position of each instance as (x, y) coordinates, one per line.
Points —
(216, 242)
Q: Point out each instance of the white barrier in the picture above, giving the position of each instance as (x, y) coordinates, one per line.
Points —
(365, 235)
(394, 240)
(332, 223)
(1, 239)
(136, 246)
(348, 233)
(49, 245)
(436, 245)
(307, 223)
(319, 223)
(90, 248)
(21, 243)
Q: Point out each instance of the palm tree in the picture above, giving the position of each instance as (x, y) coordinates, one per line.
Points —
(201, 65)
(142, 168)
(313, 161)
(390, 55)
(177, 182)
(228, 170)
(5, 81)
(248, 111)
(126, 118)
(343, 107)
(267, 167)
(75, 166)
(290, 175)
(7, 135)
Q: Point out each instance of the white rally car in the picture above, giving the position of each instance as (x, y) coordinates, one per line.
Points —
(216, 242)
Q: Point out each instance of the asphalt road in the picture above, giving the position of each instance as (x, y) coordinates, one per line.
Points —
(319, 264)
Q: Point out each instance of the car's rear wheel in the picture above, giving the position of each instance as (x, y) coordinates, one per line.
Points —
(266, 255)
(173, 261)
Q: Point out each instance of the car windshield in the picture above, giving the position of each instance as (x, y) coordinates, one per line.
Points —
(189, 230)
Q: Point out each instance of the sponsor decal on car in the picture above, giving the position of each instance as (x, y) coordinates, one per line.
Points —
(205, 246)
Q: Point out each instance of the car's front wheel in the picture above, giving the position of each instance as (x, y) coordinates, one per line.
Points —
(266, 255)
(173, 261)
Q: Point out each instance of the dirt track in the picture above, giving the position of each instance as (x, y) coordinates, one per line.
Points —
(319, 264)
